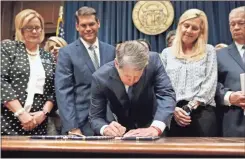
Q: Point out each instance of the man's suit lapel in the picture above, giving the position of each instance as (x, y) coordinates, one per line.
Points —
(85, 56)
(138, 87)
(233, 52)
(116, 85)
(103, 55)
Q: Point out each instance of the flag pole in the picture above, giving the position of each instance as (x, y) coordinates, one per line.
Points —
(60, 19)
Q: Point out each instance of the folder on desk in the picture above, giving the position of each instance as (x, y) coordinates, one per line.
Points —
(71, 137)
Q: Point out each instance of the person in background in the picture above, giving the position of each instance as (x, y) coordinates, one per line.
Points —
(231, 63)
(76, 64)
(220, 46)
(53, 44)
(27, 78)
(170, 38)
(192, 67)
(138, 90)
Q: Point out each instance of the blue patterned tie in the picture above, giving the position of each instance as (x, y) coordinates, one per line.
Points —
(130, 92)
(94, 57)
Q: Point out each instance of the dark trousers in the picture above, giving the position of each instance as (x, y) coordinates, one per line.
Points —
(203, 124)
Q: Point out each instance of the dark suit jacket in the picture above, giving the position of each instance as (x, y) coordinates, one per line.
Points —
(153, 96)
(230, 66)
(73, 82)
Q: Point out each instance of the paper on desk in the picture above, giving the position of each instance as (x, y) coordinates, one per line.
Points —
(242, 79)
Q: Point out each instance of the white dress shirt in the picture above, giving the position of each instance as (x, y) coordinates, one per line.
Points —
(97, 49)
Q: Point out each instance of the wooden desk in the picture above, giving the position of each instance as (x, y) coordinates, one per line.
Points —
(164, 147)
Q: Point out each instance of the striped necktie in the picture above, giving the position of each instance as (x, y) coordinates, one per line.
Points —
(94, 57)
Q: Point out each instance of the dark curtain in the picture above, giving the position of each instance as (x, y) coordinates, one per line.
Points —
(117, 25)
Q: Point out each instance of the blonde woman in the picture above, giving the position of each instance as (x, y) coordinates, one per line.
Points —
(27, 78)
(192, 67)
(53, 44)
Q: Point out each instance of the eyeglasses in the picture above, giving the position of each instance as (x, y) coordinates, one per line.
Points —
(31, 28)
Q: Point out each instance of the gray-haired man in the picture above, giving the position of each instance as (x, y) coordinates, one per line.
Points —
(138, 90)
(231, 63)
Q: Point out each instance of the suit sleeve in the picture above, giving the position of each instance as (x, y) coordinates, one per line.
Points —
(7, 92)
(209, 84)
(221, 90)
(165, 95)
(97, 109)
(220, 94)
(64, 88)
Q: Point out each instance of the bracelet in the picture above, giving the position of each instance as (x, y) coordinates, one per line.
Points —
(158, 130)
(19, 112)
(193, 104)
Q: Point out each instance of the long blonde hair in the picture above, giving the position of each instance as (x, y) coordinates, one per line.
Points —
(24, 17)
(199, 47)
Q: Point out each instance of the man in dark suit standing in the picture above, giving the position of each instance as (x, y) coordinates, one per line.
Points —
(76, 63)
(231, 63)
(138, 90)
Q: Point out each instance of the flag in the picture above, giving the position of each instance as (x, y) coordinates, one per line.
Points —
(60, 28)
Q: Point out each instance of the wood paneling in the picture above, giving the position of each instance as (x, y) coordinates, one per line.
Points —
(6, 20)
(48, 9)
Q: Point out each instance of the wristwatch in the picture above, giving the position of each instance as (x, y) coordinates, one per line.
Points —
(46, 113)
(193, 104)
(19, 112)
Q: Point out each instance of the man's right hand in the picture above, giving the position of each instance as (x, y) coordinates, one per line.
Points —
(238, 99)
(114, 129)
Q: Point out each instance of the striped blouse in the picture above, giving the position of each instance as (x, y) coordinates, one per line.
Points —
(192, 80)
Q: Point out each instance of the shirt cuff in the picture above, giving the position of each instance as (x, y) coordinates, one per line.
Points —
(161, 125)
(227, 98)
(102, 130)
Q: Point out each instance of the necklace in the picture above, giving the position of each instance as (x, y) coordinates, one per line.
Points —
(32, 53)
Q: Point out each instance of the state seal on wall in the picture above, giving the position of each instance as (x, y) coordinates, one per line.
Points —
(153, 17)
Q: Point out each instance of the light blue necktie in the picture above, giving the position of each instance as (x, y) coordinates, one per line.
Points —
(94, 57)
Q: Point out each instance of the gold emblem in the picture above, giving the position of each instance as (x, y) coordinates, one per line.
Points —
(153, 17)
